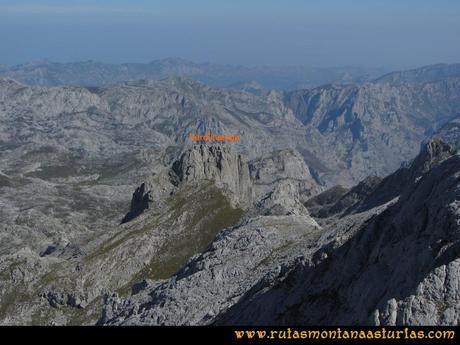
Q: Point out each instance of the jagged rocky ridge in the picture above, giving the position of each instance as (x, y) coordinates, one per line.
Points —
(286, 271)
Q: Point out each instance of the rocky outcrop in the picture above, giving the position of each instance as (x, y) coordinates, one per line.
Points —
(450, 133)
(284, 199)
(139, 203)
(63, 249)
(59, 299)
(273, 185)
(433, 152)
(217, 163)
(282, 165)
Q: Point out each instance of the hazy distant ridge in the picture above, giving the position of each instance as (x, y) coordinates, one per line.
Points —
(91, 73)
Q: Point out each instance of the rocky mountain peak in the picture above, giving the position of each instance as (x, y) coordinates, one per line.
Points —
(217, 163)
(276, 184)
(433, 152)
(6, 82)
(282, 165)
(197, 165)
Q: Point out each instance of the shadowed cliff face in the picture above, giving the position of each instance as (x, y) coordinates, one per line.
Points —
(139, 203)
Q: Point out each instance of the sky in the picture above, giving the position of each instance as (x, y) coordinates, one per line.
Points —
(313, 33)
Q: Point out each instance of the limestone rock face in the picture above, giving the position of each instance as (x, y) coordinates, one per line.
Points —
(284, 199)
(217, 163)
(450, 133)
(273, 185)
(432, 153)
(283, 165)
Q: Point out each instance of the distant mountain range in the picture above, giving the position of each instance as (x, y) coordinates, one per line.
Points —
(424, 74)
(91, 73)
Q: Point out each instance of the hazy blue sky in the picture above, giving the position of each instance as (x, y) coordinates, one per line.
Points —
(391, 33)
